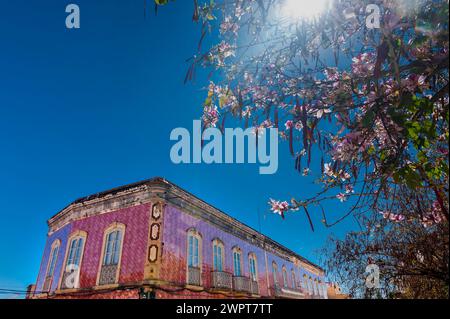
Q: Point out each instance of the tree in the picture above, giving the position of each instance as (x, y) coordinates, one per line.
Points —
(368, 100)
(412, 257)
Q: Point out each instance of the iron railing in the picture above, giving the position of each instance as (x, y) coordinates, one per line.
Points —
(222, 280)
(241, 284)
(254, 287)
(194, 276)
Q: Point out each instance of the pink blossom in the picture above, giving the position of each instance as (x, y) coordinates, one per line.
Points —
(279, 207)
(342, 197)
(289, 124)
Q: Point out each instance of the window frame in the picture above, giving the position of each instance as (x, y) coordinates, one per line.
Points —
(216, 244)
(285, 277)
(51, 263)
(275, 274)
(237, 252)
(76, 235)
(110, 229)
(293, 278)
(194, 234)
(252, 260)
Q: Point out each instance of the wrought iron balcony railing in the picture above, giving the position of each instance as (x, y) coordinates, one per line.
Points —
(241, 284)
(254, 287)
(194, 276)
(291, 293)
(108, 275)
(222, 280)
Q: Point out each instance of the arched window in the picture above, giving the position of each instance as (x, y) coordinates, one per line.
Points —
(310, 286)
(320, 288)
(194, 257)
(111, 254)
(316, 290)
(237, 262)
(253, 270)
(325, 290)
(218, 255)
(194, 248)
(285, 277)
(252, 265)
(305, 283)
(275, 274)
(294, 284)
(74, 256)
(51, 265)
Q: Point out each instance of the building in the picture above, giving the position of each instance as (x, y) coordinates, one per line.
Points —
(152, 239)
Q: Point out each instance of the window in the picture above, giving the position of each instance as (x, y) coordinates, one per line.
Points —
(193, 249)
(294, 285)
(194, 257)
(275, 274)
(218, 256)
(112, 250)
(52, 260)
(51, 265)
(316, 292)
(75, 250)
(237, 265)
(285, 277)
(252, 267)
(310, 286)
(111, 254)
(74, 256)
(305, 283)
(320, 288)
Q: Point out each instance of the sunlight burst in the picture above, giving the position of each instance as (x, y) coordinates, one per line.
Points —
(304, 9)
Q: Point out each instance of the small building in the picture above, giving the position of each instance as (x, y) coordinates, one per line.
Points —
(152, 239)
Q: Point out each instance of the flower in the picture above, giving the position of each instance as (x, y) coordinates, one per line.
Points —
(349, 189)
(434, 216)
(393, 217)
(342, 197)
(279, 207)
(321, 112)
(328, 170)
(363, 65)
(289, 124)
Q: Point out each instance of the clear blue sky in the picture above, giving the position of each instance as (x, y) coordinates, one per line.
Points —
(86, 110)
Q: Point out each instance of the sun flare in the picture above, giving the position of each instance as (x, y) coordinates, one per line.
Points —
(303, 9)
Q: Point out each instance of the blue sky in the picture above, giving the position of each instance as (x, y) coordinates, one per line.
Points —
(86, 110)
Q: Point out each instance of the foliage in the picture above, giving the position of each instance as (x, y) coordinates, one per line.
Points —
(371, 104)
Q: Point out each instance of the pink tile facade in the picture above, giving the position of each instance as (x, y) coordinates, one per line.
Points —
(176, 223)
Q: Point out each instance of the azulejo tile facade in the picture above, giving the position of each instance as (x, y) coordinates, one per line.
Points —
(153, 239)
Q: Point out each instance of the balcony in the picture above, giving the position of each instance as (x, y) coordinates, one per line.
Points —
(194, 276)
(222, 280)
(241, 284)
(254, 287)
(108, 275)
(284, 292)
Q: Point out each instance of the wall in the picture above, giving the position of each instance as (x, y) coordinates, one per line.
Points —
(134, 252)
(176, 225)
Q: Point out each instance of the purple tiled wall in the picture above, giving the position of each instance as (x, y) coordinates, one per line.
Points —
(62, 234)
(176, 225)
